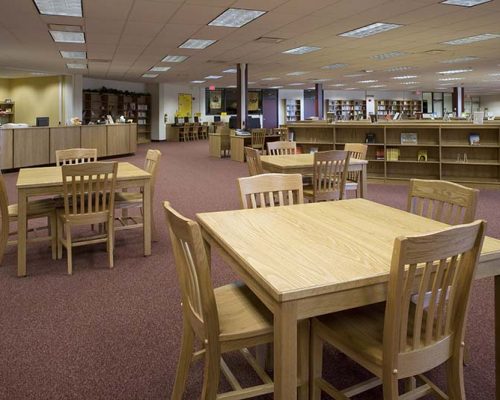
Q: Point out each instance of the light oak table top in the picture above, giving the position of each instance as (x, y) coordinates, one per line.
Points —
(312, 259)
(294, 161)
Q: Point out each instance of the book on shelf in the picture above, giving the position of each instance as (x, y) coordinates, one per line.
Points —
(313, 150)
(370, 138)
(379, 154)
(408, 138)
(392, 154)
(474, 139)
(422, 155)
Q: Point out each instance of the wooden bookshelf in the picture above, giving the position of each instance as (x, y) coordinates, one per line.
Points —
(346, 109)
(292, 110)
(407, 108)
(7, 112)
(444, 143)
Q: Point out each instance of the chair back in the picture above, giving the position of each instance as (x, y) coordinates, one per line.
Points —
(89, 191)
(258, 138)
(75, 156)
(442, 201)
(281, 148)
(253, 161)
(282, 132)
(269, 190)
(358, 151)
(329, 175)
(437, 270)
(151, 164)
(193, 271)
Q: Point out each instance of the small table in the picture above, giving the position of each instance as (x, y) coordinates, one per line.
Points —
(303, 164)
(312, 259)
(48, 181)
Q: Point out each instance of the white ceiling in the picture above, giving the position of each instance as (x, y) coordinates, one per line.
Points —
(125, 38)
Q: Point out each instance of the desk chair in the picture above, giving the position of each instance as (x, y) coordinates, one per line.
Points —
(442, 201)
(258, 139)
(75, 156)
(184, 133)
(224, 319)
(358, 151)
(44, 208)
(329, 176)
(89, 194)
(253, 161)
(397, 339)
(281, 148)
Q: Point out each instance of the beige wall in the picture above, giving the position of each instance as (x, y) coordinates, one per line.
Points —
(4, 89)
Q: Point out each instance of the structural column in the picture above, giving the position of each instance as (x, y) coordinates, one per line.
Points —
(458, 100)
(242, 77)
(318, 101)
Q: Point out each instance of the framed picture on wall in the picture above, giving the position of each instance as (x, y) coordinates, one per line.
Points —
(215, 99)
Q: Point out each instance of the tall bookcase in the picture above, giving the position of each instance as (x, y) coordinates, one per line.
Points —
(6, 112)
(346, 109)
(292, 109)
(407, 108)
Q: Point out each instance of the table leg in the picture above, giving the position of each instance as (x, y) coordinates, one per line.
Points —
(21, 232)
(147, 207)
(364, 182)
(285, 351)
(497, 336)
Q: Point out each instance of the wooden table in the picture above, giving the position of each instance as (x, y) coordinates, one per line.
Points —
(48, 181)
(218, 144)
(312, 259)
(303, 164)
(238, 145)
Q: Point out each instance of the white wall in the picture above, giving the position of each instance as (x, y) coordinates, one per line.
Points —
(91, 83)
(492, 103)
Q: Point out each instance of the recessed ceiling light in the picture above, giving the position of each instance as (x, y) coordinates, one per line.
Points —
(454, 71)
(400, 68)
(272, 78)
(197, 44)
(275, 87)
(495, 74)
(197, 81)
(252, 83)
(338, 85)
(465, 3)
(230, 71)
(377, 86)
(460, 60)
(368, 81)
(213, 77)
(351, 88)
(175, 59)
(67, 8)
(295, 84)
(68, 37)
(302, 50)
(404, 77)
(410, 83)
(297, 73)
(472, 39)
(370, 30)
(334, 66)
(447, 84)
(74, 54)
(149, 75)
(236, 18)
(385, 56)
(231, 86)
(320, 80)
(76, 66)
(159, 69)
(451, 79)
(354, 75)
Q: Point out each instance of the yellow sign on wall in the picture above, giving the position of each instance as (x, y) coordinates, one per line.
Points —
(184, 104)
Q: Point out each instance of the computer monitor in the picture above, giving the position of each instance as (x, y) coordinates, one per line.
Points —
(216, 118)
(196, 119)
(42, 121)
(233, 122)
(176, 121)
(253, 123)
(186, 120)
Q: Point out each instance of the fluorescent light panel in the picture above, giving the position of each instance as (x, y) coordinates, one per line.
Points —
(451, 79)
(236, 17)
(454, 71)
(472, 39)
(400, 68)
(404, 77)
(460, 60)
(275, 87)
(230, 71)
(175, 59)
(149, 75)
(368, 81)
(213, 77)
(81, 55)
(68, 37)
(377, 86)
(197, 81)
(410, 83)
(369, 30)
(67, 8)
(338, 84)
(159, 69)
(354, 75)
(334, 66)
(302, 50)
(297, 73)
(385, 56)
(76, 66)
(465, 3)
(197, 44)
(295, 84)
(272, 78)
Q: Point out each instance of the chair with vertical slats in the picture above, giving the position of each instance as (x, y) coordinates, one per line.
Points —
(184, 133)
(253, 161)
(442, 201)
(281, 148)
(358, 151)
(269, 190)
(329, 176)
(89, 192)
(258, 139)
(225, 319)
(400, 339)
(75, 156)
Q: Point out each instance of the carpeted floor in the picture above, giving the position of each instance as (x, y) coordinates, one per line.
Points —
(115, 334)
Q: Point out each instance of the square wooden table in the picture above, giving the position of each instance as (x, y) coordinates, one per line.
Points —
(312, 259)
(48, 181)
(303, 164)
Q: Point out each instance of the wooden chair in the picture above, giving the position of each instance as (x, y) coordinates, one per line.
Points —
(269, 190)
(224, 319)
(127, 200)
(184, 133)
(282, 132)
(358, 151)
(442, 201)
(397, 339)
(193, 131)
(329, 176)
(203, 129)
(258, 139)
(253, 161)
(75, 156)
(43, 208)
(89, 193)
(281, 148)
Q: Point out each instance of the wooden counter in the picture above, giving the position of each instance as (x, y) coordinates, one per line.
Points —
(22, 147)
(444, 144)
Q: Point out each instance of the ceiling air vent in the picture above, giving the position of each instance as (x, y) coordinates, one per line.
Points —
(269, 40)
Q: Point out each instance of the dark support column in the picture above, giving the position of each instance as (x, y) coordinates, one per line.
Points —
(318, 101)
(457, 100)
(242, 84)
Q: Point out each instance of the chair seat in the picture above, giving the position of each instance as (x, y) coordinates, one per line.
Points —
(35, 207)
(241, 314)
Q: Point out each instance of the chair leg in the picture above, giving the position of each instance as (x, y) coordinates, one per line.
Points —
(184, 363)
(304, 337)
(60, 237)
(211, 372)
(69, 249)
(390, 385)
(455, 372)
(316, 365)
(4, 238)
(110, 242)
(53, 234)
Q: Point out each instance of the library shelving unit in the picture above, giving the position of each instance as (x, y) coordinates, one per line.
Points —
(292, 110)
(346, 109)
(6, 112)
(404, 150)
(404, 107)
(133, 106)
